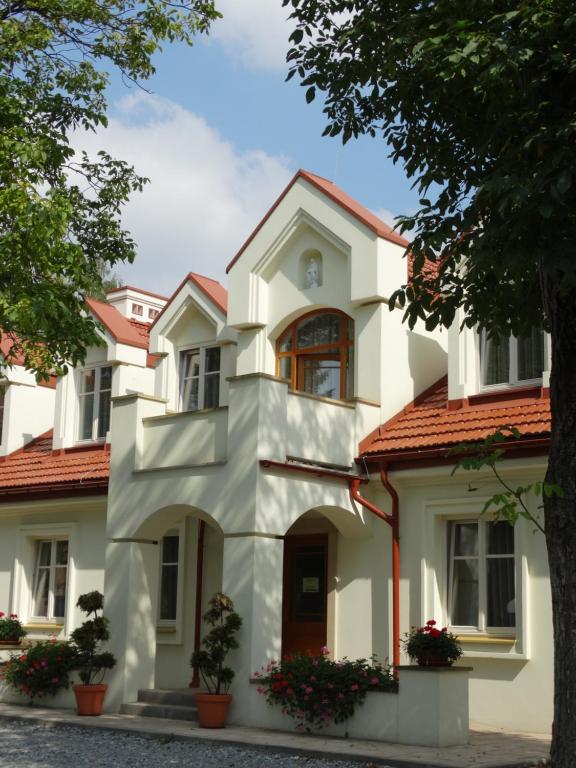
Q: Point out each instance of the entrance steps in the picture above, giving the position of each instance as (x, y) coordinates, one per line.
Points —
(174, 704)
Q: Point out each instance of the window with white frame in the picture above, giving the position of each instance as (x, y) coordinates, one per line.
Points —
(200, 378)
(50, 579)
(137, 309)
(511, 361)
(95, 397)
(169, 565)
(481, 576)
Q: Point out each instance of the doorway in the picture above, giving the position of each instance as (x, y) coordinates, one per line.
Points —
(304, 594)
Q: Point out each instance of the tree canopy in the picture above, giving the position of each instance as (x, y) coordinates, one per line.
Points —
(60, 213)
(476, 100)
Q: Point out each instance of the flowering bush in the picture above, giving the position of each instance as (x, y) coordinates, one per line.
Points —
(41, 671)
(316, 691)
(430, 646)
(11, 627)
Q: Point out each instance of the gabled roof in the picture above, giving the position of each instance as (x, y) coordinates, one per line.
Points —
(118, 326)
(430, 425)
(37, 468)
(212, 289)
(338, 196)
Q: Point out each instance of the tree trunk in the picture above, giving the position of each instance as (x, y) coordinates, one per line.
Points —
(560, 517)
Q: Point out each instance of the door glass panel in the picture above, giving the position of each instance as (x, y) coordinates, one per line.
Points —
(309, 585)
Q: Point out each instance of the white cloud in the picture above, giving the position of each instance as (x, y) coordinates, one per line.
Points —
(204, 196)
(254, 32)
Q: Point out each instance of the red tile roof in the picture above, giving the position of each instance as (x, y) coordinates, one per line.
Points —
(7, 341)
(338, 196)
(143, 330)
(212, 289)
(429, 425)
(37, 468)
(119, 327)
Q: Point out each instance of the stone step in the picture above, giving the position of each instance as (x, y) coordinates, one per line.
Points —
(169, 712)
(179, 697)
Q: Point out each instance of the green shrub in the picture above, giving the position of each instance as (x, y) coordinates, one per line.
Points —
(40, 671)
(317, 691)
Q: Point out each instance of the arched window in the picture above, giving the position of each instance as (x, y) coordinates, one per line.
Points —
(316, 354)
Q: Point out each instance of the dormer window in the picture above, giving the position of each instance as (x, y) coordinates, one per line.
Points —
(200, 378)
(512, 361)
(95, 398)
(315, 353)
(137, 309)
(153, 314)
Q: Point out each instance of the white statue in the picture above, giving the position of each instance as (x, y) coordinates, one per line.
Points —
(313, 273)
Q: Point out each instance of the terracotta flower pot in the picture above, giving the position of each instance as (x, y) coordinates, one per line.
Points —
(429, 660)
(89, 698)
(212, 709)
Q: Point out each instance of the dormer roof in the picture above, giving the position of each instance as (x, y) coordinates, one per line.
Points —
(429, 426)
(119, 327)
(212, 289)
(341, 198)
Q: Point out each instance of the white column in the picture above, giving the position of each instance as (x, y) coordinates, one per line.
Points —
(253, 579)
(433, 706)
(130, 598)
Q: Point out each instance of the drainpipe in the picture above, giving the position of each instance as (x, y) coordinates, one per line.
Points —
(195, 682)
(394, 522)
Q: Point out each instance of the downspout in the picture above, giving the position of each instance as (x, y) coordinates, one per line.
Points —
(394, 522)
(195, 682)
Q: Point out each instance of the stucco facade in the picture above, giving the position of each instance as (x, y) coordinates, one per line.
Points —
(264, 460)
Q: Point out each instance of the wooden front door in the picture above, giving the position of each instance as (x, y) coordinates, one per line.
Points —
(304, 594)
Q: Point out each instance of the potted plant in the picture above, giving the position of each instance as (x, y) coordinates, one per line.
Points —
(89, 660)
(213, 705)
(432, 647)
(11, 629)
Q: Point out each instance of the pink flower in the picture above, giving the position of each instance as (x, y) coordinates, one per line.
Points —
(324, 651)
(308, 689)
(55, 679)
(374, 681)
(2, 614)
(289, 691)
(354, 687)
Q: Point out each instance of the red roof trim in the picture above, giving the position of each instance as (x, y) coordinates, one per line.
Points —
(337, 195)
(212, 289)
(137, 290)
(116, 324)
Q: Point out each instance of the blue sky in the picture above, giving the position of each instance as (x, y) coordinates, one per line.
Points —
(220, 133)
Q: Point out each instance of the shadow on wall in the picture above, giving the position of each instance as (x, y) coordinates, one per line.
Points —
(427, 360)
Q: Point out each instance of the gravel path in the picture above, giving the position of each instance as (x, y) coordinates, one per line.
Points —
(32, 745)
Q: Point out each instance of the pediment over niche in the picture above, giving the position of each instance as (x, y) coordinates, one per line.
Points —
(305, 253)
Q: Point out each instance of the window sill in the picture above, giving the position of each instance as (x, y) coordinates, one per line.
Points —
(485, 639)
(503, 392)
(44, 626)
(166, 630)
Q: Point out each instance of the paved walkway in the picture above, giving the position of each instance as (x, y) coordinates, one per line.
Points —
(487, 748)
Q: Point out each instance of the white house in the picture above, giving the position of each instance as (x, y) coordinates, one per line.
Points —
(285, 442)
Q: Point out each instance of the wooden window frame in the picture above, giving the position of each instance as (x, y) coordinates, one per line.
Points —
(342, 347)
